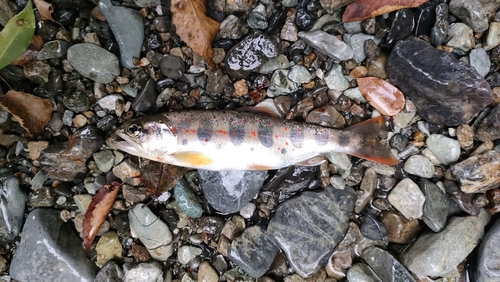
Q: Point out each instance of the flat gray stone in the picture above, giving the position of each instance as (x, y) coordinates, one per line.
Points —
(480, 60)
(360, 272)
(12, 204)
(436, 205)
(445, 149)
(488, 269)
(436, 254)
(228, 191)
(385, 265)
(327, 44)
(50, 250)
(357, 43)
(94, 62)
(335, 79)
(143, 272)
(53, 49)
(407, 198)
(128, 27)
(420, 166)
(312, 221)
(474, 12)
(253, 251)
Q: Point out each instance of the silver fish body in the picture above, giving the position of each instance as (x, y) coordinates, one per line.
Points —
(233, 140)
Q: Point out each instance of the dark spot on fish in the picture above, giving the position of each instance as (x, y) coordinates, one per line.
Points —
(218, 147)
(236, 134)
(321, 137)
(265, 134)
(283, 151)
(297, 137)
(344, 140)
(184, 142)
(204, 133)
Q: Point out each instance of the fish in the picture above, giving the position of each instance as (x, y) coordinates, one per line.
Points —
(240, 140)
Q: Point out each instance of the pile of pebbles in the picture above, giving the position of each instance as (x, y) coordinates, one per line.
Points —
(432, 217)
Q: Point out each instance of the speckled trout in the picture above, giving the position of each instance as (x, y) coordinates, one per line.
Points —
(233, 140)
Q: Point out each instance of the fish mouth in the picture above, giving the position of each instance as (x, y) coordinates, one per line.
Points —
(117, 141)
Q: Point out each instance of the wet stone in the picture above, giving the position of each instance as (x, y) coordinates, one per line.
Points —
(398, 142)
(371, 228)
(445, 149)
(147, 3)
(440, 29)
(327, 44)
(399, 230)
(436, 254)
(366, 189)
(385, 265)
(253, 251)
(104, 160)
(435, 206)
(153, 233)
(186, 198)
(305, 19)
(420, 166)
(187, 253)
(402, 26)
(257, 18)
(474, 12)
(293, 179)
(326, 116)
(316, 221)
(463, 200)
(407, 198)
(250, 54)
(142, 272)
(37, 72)
(229, 191)
(465, 136)
(276, 63)
(207, 271)
(216, 82)
(289, 30)
(460, 36)
(108, 248)
(112, 271)
(172, 66)
(55, 259)
(299, 74)
(488, 269)
(233, 27)
(146, 98)
(128, 28)
(53, 49)
(12, 203)
(425, 15)
(493, 36)
(360, 272)
(357, 43)
(478, 173)
(382, 95)
(94, 62)
(281, 84)
(489, 128)
(412, 74)
(66, 161)
(335, 79)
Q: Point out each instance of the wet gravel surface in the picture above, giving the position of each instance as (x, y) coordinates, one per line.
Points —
(431, 217)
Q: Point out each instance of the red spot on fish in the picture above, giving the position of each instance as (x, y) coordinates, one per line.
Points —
(254, 133)
(201, 123)
(279, 149)
(174, 129)
(276, 136)
(187, 130)
(298, 129)
(193, 131)
(206, 139)
(286, 143)
(210, 132)
(223, 132)
(268, 124)
(286, 128)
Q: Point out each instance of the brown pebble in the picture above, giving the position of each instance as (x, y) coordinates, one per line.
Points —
(465, 136)
(240, 88)
(140, 253)
(399, 229)
(36, 147)
(308, 59)
(359, 71)
(493, 197)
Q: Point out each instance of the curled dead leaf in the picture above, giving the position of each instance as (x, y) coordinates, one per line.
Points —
(364, 9)
(98, 211)
(32, 112)
(194, 27)
(45, 9)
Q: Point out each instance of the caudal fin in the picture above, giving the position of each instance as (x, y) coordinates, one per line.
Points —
(372, 149)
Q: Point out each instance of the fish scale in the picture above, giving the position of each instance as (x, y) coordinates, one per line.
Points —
(233, 140)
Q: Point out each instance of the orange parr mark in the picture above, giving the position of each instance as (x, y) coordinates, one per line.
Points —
(173, 129)
(276, 136)
(279, 149)
(223, 132)
(206, 139)
(286, 128)
(286, 143)
(187, 130)
(254, 134)
(193, 131)
(210, 132)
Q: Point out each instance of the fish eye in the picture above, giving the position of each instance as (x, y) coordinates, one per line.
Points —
(134, 130)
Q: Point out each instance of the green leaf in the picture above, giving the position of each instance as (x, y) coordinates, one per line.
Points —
(16, 35)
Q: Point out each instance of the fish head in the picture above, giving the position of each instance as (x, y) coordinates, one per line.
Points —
(148, 137)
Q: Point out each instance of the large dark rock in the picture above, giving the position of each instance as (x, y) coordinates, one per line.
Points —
(312, 221)
(50, 250)
(292, 179)
(444, 90)
(68, 160)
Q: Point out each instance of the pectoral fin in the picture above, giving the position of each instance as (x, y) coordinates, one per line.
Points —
(192, 159)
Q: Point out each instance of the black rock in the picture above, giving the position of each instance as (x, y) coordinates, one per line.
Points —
(444, 90)
(402, 26)
(371, 228)
(253, 251)
(425, 16)
(435, 206)
(464, 201)
(305, 19)
(228, 191)
(172, 66)
(13, 203)
(248, 55)
(110, 272)
(440, 29)
(292, 179)
(67, 161)
(146, 98)
(312, 221)
(489, 128)
(385, 265)
(276, 21)
(50, 250)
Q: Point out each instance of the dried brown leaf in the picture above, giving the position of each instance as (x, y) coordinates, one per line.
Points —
(194, 27)
(32, 112)
(364, 9)
(45, 9)
(30, 54)
(98, 211)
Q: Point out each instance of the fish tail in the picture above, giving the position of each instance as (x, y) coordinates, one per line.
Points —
(371, 149)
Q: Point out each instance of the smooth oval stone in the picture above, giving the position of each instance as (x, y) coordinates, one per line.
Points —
(437, 83)
(445, 149)
(312, 221)
(419, 166)
(382, 95)
(253, 251)
(94, 62)
(436, 254)
(440, 29)
(407, 198)
(128, 27)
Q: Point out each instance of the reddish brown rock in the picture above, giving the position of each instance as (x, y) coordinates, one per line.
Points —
(382, 95)
(399, 229)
